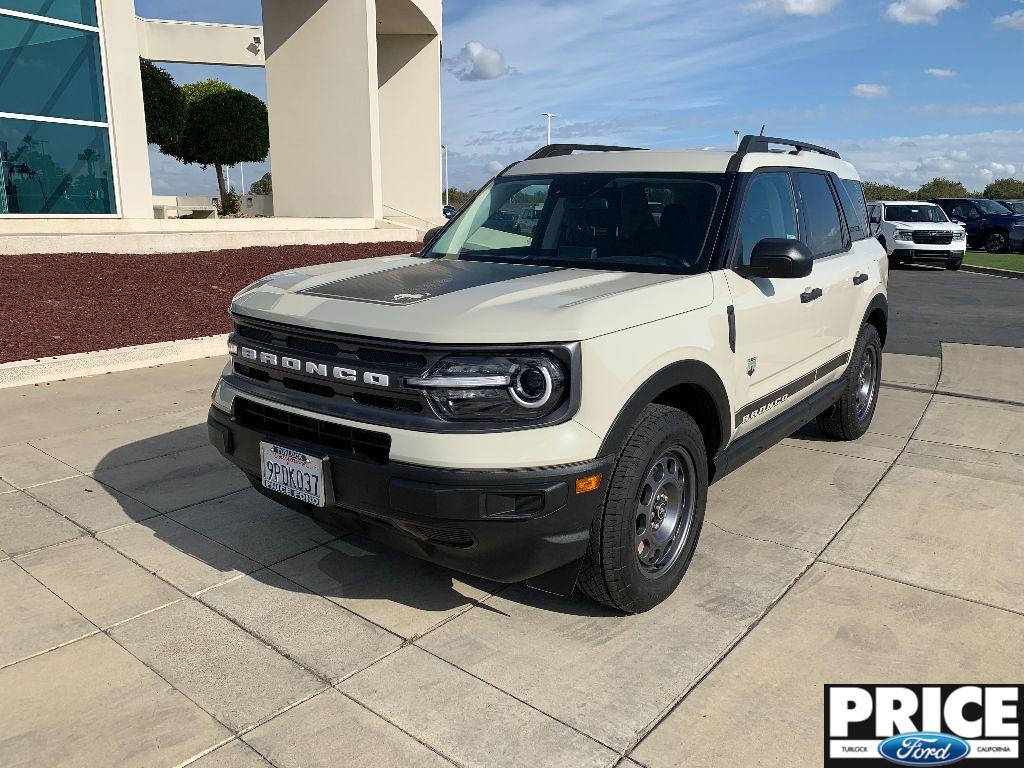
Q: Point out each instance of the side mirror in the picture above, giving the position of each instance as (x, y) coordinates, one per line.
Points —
(431, 234)
(779, 257)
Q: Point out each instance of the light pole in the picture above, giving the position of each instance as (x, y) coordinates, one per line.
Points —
(548, 115)
(444, 147)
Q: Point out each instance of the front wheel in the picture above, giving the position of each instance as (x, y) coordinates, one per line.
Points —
(850, 416)
(954, 264)
(642, 542)
(995, 242)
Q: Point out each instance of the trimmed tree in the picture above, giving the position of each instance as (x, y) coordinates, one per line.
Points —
(265, 186)
(941, 187)
(873, 191)
(1005, 189)
(165, 106)
(223, 127)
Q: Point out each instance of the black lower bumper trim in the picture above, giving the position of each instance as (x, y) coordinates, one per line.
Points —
(504, 525)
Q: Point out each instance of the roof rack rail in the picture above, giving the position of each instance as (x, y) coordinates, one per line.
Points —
(559, 150)
(761, 144)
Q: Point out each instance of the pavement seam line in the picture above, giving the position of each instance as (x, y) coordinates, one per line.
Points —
(911, 584)
(755, 538)
(647, 730)
(522, 701)
(412, 736)
(836, 453)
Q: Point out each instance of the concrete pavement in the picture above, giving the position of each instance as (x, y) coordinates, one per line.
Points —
(158, 612)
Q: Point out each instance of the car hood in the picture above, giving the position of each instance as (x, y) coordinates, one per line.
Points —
(448, 301)
(945, 226)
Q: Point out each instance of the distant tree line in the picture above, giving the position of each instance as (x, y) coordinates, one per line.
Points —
(1000, 189)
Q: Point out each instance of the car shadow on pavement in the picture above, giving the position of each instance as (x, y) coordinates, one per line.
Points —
(202, 498)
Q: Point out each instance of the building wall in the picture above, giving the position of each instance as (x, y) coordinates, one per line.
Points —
(409, 75)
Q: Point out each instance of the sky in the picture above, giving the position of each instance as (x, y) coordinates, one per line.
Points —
(905, 89)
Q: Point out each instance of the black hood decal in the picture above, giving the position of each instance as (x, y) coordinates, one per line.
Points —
(412, 284)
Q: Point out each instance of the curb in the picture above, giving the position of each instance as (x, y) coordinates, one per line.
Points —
(992, 271)
(49, 369)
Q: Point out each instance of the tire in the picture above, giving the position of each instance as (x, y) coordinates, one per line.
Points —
(620, 568)
(850, 416)
(996, 241)
(954, 264)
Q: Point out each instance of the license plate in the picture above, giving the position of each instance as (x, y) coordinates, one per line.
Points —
(293, 473)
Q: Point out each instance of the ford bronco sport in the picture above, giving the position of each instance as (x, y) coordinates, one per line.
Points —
(550, 407)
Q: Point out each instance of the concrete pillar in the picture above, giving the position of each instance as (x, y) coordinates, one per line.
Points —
(322, 95)
(127, 117)
(409, 72)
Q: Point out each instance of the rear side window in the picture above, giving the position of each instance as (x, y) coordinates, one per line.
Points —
(823, 229)
(768, 211)
(851, 193)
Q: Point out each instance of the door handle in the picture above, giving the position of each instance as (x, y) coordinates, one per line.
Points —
(859, 278)
(810, 295)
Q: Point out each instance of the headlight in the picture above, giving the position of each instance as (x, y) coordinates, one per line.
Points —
(958, 235)
(501, 387)
(904, 234)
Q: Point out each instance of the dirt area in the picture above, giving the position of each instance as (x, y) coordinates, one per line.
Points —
(80, 302)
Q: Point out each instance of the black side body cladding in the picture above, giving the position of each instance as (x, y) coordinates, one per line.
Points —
(683, 372)
(759, 440)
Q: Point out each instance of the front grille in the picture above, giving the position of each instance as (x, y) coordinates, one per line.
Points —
(265, 419)
(254, 334)
(449, 537)
(933, 238)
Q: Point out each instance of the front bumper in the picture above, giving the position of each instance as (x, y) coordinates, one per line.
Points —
(905, 251)
(503, 525)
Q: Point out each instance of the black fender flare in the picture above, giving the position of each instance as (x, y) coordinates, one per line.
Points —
(672, 375)
(878, 302)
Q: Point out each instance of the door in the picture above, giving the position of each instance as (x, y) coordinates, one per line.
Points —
(831, 223)
(971, 216)
(777, 334)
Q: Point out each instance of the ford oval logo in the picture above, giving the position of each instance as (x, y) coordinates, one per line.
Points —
(924, 749)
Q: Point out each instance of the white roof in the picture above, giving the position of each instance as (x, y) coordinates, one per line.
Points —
(681, 161)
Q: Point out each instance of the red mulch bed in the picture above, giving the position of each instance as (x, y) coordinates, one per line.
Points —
(57, 304)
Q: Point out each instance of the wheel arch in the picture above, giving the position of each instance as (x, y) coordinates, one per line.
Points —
(877, 314)
(689, 385)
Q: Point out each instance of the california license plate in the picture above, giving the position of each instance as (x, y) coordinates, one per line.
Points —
(293, 473)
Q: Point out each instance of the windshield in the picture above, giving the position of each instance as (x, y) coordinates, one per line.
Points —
(629, 222)
(1017, 206)
(991, 206)
(915, 213)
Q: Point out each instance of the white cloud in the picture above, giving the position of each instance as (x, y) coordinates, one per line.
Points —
(1013, 20)
(870, 91)
(478, 62)
(793, 7)
(940, 73)
(909, 161)
(920, 11)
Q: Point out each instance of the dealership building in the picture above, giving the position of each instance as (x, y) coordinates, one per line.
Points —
(353, 94)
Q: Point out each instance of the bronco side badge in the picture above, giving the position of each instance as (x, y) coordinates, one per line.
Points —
(751, 365)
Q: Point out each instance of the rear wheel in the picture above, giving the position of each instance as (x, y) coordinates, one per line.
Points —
(645, 537)
(850, 416)
(996, 241)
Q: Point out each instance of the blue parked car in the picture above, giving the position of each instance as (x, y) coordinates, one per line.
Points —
(989, 224)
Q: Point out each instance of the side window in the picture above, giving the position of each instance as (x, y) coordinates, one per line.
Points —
(768, 211)
(823, 227)
(851, 194)
(964, 210)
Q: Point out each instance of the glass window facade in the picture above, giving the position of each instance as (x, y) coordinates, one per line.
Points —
(55, 156)
(55, 168)
(78, 11)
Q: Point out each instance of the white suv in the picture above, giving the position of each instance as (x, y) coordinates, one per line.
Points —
(913, 231)
(552, 406)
